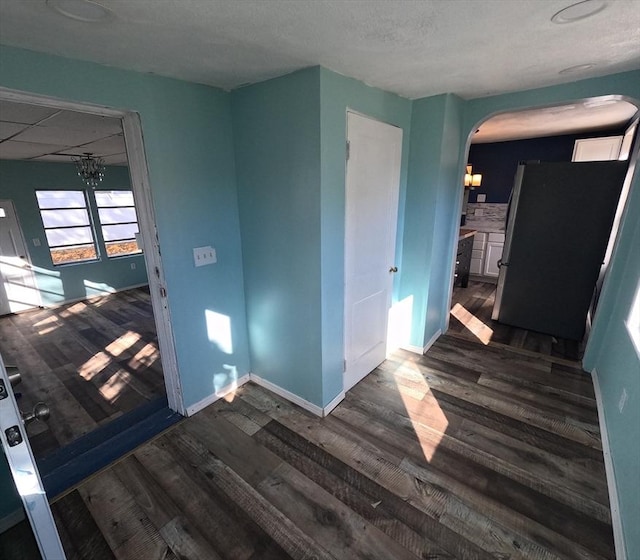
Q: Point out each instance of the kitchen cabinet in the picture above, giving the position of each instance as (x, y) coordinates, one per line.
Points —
(477, 253)
(597, 149)
(494, 254)
(463, 257)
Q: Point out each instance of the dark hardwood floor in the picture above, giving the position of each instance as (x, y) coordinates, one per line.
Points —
(471, 319)
(90, 361)
(468, 452)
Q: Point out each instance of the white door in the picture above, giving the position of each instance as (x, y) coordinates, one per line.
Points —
(13, 437)
(372, 185)
(18, 290)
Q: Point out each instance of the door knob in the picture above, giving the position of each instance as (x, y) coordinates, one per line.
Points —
(40, 412)
(393, 269)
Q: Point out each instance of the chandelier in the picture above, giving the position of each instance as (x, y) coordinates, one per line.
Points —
(90, 169)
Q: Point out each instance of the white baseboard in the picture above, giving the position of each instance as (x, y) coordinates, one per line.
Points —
(335, 402)
(429, 344)
(616, 519)
(295, 399)
(288, 395)
(92, 296)
(210, 399)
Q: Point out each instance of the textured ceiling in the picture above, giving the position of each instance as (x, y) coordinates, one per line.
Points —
(418, 48)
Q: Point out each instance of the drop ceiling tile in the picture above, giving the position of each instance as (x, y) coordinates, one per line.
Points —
(58, 135)
(24, 113)
(8, 129)
(105, 147)
(116, 159)
(84, 121)
(24, 150)
(58, 158)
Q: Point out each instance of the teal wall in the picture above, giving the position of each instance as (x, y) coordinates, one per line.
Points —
(612, 354)
(18, 182)
(432, 212)
(337, 94)
(188, 143)
(277, 140)
(289, 155)
(609, 350)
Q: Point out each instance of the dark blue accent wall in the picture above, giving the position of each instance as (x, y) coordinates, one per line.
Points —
(498, 161)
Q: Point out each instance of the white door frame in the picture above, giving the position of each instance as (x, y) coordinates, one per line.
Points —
(25, 473)
(146, 220)
(27, 257)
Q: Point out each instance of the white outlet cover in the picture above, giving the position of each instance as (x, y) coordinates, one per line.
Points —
(481, 198)
(479, 212)
(204, 255)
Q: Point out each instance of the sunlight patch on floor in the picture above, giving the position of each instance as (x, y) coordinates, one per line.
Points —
(123, 343)
(428, 420)
(474, 325)
(47, 325)
(94, 365)
(144, 358)
(75, 309)
(115, 385)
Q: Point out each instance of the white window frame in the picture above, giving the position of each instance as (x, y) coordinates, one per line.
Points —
(103, 224)
(89, 226)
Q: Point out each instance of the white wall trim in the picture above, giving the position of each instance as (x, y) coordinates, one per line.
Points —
(93, 296)
(429, 344)
(616, 519)
(288, 395)
(220, 393)
(335, 402)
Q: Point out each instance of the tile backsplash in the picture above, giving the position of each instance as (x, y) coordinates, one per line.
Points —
(492, 219)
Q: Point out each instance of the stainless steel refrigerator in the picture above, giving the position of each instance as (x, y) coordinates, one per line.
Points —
(558, 226)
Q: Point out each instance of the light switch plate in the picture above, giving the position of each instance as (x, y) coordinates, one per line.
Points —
(204, 255)
(479, 212)
(481, 198)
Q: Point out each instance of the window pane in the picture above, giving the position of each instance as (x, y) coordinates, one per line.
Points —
(73, 254)
(114, 198)
(69, 236)
(61, 218)
(119, 248)
(122, 231)
(61, 199)
(117, 215)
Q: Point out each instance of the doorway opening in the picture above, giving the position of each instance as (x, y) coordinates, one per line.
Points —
(552, 134)
(89, 333)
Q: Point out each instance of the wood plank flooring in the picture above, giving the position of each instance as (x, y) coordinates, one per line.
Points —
(469, 452)
(90, 361)
(470, 318)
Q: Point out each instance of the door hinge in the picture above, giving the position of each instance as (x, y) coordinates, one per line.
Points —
(163, 292)
(348, 149)
(344, 366)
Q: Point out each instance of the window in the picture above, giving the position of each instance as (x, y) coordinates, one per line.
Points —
(67, 226)
(119, 222)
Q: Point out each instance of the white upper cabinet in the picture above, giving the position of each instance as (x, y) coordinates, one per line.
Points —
(597, 149)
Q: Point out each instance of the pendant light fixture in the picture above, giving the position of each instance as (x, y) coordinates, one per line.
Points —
(90, 169)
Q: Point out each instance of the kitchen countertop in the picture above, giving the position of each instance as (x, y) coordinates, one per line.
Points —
(466, 232)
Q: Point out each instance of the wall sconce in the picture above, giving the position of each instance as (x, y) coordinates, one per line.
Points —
(472, 180)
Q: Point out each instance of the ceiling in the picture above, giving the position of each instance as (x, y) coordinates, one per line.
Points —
(415, 48)
(590, 115)
(43, 134)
